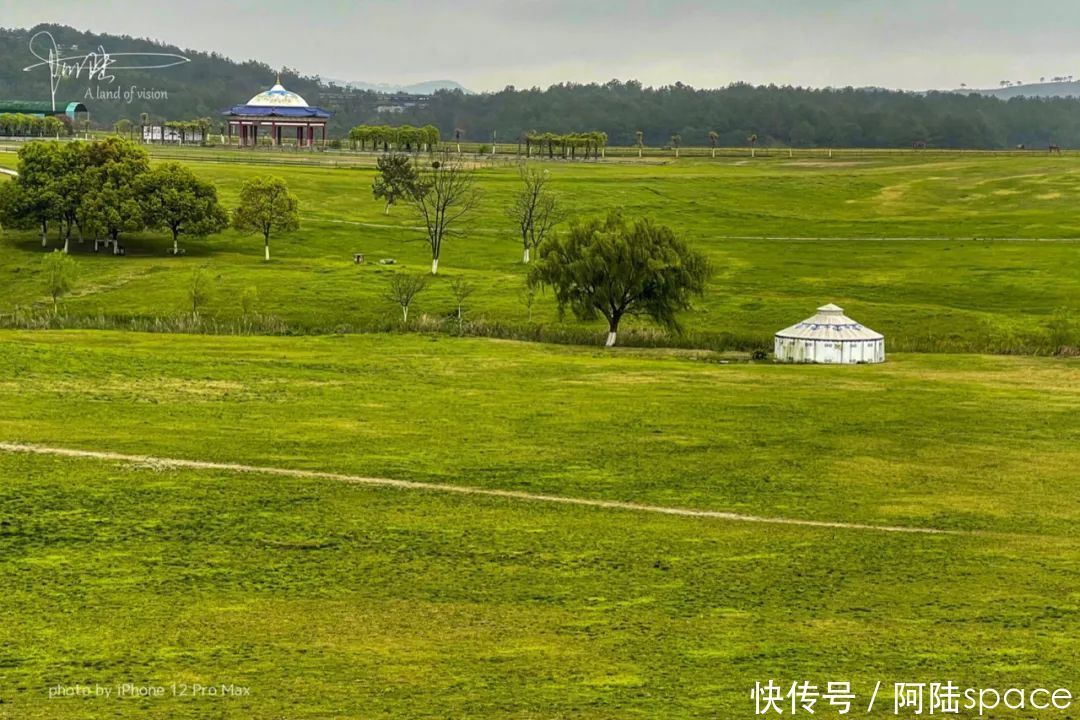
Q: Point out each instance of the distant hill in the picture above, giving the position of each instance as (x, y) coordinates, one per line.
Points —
(1034, 90)
(203, 87)
(422, 88)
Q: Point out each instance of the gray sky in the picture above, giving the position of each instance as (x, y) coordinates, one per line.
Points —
(487, 44)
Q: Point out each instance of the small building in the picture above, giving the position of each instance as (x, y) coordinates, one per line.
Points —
(830, 336)
(281, 115)
(71, 113)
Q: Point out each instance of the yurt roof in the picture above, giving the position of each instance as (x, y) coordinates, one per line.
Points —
(829, 323)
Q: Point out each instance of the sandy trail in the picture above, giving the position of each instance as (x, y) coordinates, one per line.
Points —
(176, 463)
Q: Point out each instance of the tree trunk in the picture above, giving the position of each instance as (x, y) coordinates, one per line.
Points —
(44, 233)
(386, 211)
(67, 243)
(175, 245)
(434, 266)
(613, 328)
(405, 314)
(266, 247)
(714, 153)
(639, 152)
(525, 256)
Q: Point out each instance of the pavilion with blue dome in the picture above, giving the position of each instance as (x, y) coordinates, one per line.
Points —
(280, 113)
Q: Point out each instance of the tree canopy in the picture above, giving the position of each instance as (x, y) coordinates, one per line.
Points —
(266, 207)
(614, 269)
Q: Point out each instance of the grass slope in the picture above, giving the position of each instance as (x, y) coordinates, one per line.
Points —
(966, 284)
(335, 601)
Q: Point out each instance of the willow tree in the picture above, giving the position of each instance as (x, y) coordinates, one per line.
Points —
(612, 269)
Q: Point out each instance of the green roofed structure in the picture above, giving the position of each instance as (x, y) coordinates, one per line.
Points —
(72, 110)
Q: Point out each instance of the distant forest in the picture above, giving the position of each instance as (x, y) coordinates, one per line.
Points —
(798, 117)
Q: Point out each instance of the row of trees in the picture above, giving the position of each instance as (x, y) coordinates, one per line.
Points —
(566, 145)
(21, 125)
(788, 116)
(200, 127)
(108, 188)
(387, 137)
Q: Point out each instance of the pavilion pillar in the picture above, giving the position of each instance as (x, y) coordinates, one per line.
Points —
(230, 133)
(299, 137)
(324, 137)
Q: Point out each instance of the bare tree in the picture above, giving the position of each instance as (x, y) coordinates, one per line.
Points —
(444, 194)
(403, 289)
(534, 209)
(461, 289)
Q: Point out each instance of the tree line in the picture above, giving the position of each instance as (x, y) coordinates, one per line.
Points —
(774, 115)
(23, 125)
(106, 189)
(387, 137)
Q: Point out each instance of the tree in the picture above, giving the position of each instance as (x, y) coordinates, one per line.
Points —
(122, 127)
(534, 209)
(458, 132)
(753, 144)
(403, 289)
(111, 205)
(445, 193)
(397, 178)
(200, 290)
(676, 141)
(639, 141)
(461, 289)
(614, 270)
(60, 271)
(38, 203)
(713, 137)
(267, 207)
(174, 199)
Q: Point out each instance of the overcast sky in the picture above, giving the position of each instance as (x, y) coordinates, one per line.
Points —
(488, 44)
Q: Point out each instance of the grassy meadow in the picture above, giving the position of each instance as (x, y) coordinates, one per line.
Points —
(967, 253)
(335, 601)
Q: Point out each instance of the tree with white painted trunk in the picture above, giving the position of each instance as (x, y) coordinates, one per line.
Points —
(445, 193)
(613, 269)
(462, 290)
(267, 207)
(403, 289)
(534, 209)
(174, 199)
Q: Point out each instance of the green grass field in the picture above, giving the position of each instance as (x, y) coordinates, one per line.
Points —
(936, 252)
(332, 600)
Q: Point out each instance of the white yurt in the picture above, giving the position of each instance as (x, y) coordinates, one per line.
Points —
(830, 336)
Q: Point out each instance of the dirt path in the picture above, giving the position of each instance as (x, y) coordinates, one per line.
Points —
(7, 171)
(174, 464)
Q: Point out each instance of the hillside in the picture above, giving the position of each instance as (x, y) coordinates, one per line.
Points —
(787, 116)
(1036, 90)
